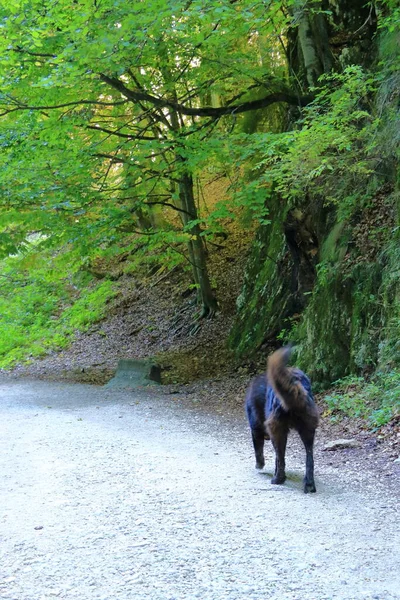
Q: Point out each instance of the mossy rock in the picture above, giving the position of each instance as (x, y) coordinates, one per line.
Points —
(352, 323)
(279, 277)
(133, 373)
(262, 304)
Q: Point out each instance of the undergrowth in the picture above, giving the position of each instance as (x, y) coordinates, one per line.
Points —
(44, 300)
(376, 401)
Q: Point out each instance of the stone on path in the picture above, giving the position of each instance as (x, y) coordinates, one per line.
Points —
(133, 373)
(342, 444)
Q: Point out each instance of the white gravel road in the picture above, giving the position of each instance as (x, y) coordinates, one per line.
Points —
(120, 495)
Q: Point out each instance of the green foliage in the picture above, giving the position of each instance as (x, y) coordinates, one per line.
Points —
(159, 248)
(333, 152)
(41, 307)
(376, 401)
(100, 158)
(390, 19)
(89, 308)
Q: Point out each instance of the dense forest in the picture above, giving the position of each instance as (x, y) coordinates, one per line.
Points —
(116, 115)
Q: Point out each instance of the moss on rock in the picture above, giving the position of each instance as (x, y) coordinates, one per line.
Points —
(350, 318)
(279, 276)
(352, 323)
(262, 303)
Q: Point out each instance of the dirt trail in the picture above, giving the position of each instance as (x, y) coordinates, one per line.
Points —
(115, 495)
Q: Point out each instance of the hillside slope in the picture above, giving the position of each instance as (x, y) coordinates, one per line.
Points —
(156, 318)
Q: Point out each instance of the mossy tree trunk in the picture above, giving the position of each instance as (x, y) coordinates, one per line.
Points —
(308, 42)
(318, 44)
(279, 277)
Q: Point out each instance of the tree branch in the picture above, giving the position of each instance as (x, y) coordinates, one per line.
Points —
(40, 54)
(151, 203)
(128, 136)
(206, 111)
(141, 96)
(21, 106)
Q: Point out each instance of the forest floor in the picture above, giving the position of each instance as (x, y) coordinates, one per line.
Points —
(154, 317)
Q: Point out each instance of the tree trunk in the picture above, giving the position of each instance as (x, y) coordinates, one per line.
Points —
(196, 249)
(197, 255)
(312, 64)
(317, 46)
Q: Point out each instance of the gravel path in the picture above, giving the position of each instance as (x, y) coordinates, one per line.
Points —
(113, 495)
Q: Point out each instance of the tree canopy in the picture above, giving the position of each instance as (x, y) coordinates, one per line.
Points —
(108, 109)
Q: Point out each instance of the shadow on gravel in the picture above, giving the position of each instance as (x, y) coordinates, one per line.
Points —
(294, 483)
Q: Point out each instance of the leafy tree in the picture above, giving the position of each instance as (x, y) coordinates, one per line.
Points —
(112, 101)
